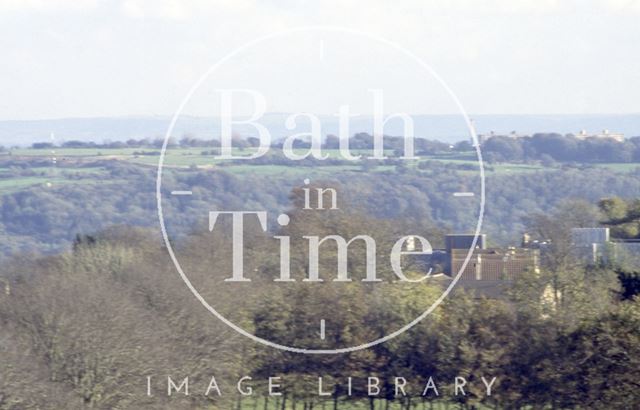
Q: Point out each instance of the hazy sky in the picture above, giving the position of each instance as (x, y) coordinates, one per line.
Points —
(82, 58)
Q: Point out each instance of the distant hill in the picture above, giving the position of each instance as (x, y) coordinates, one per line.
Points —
(448, 128)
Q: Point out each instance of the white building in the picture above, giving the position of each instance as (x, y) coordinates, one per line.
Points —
(604, 134)
(593, 245)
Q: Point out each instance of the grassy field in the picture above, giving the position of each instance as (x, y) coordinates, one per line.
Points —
(173, 156)
(51, 177)
(45, 182)
(289, 171)
(74, 152)
(620, 167)
(74, 165)
(186, 157)
(514, 168)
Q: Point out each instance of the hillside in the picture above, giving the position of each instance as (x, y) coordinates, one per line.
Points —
(45, 205)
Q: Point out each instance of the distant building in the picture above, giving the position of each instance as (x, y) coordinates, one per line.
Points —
(494, 264)
(489, 271)
(588, 236)
(590, 244)
(605, 134)
(464, 241)
(594, 245)
(529, 243)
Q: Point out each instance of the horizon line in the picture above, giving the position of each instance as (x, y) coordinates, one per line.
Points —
(168, 116)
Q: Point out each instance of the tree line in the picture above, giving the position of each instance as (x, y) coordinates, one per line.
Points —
(553, 147)
(46, 220)
(85, 328)
(545, 147)
(357, 141)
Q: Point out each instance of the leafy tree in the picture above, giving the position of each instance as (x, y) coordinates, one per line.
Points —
(623, 216)
(604, 354)
(555, 228)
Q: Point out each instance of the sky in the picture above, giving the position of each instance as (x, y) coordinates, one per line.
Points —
(101, 58)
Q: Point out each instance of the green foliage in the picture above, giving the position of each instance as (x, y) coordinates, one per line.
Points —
(623, 216)
(92, 322)
(602, 359)
(97, 320)
(563, 148)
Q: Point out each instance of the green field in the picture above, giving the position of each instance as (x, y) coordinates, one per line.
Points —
(74, 152)
(17, 184)
(173, 156)
(620, 167)
(185, 157)
(51, 177)
(24, 167)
